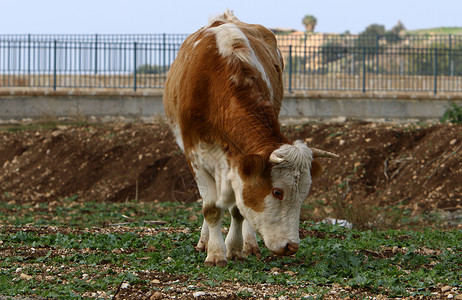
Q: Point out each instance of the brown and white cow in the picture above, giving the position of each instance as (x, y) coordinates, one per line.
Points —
(222, 99)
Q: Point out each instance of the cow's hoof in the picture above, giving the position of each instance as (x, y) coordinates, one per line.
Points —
(201, 246)
(235, 255)
(252, 250)
(216, 261)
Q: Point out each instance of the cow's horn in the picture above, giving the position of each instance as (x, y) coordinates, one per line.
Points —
(322, 153)
(276, 159)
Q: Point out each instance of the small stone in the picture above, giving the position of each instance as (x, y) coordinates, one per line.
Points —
(156, 296)
(25, 276)
(445, 288)
(155, 281)
(198, 294)
(124, 285)
(275, 270)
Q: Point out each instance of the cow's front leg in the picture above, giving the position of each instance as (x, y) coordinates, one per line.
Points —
(250, 240)
(234, 241)
(215, 246)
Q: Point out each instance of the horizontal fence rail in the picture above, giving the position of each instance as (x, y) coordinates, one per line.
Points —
(423, 63)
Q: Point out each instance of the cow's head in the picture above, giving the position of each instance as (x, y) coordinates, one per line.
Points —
(270, 192)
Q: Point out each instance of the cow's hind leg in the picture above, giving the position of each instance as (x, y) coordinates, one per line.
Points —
(234, 241)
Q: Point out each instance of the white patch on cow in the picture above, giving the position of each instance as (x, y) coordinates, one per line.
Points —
(279, 54)
(213, 160)
(177, 133)
(228, 36)
(196, 43)
(234, 79)
(279, 222)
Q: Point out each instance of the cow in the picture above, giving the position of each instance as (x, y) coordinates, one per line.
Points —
(222, 99)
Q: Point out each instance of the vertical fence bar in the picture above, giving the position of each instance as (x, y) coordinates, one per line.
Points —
(9, 56)
(164, 52)
(364, 69)
(54, 64)
(290, 69)
(134, 66)
(435, 84)
(96, 53)
(450, 64)
(28, 55)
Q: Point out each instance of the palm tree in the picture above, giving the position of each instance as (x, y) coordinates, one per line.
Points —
(309, 22)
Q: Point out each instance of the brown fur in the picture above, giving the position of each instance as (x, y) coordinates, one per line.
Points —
(237, 214)
(224, 100)
(212, 214)
(255, 193)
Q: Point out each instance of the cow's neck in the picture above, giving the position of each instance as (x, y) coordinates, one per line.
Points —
(256, 132)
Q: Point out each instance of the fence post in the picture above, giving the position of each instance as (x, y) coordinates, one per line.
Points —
(290, 69)
(9, 56)
(28, 53)
(54, 64)
(164, 51)
(96, 53)
(450, 62)
(364, 69)
(134, 66)
(435, 70)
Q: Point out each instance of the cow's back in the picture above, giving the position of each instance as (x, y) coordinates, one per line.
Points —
(217, 68)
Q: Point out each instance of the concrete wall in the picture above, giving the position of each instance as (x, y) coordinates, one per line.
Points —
(296, 106)
(365, 108)
(22, 107)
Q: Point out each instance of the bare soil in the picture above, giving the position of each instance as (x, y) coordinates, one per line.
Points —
(411, 166)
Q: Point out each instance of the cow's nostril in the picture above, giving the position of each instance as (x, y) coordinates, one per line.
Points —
(291, 248)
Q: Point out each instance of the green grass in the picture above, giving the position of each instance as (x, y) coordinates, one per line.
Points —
(71, 212)
(76, 253)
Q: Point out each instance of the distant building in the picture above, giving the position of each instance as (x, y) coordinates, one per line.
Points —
(304, 44)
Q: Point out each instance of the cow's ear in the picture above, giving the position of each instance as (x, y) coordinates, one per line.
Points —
(316, 169)
(251, 166)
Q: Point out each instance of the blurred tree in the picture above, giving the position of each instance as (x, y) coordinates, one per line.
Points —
(374, 29)
(309, 22)
(398, 28)
(393, 35)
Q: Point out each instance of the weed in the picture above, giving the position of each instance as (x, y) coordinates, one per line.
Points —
(453, 114)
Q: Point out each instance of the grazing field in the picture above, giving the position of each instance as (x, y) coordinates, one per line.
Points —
(111, 211)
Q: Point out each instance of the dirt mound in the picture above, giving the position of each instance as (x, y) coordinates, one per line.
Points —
(411, 166)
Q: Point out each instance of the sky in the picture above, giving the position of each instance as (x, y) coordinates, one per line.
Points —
(186, 16)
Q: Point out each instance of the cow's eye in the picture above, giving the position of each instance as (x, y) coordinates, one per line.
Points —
(278, 193)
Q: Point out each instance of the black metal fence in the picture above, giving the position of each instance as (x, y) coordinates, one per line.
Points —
(313, 61)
